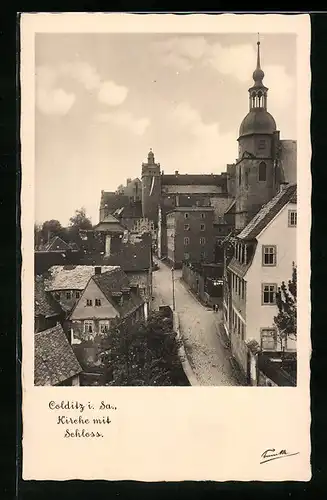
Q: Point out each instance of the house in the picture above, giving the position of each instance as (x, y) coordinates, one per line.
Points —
(135, 259)
(107, 296)
(54, 360)
(112, 232)
(47, 311)
(66, 283)
(190, 235)
(263, 256)
(57, 244)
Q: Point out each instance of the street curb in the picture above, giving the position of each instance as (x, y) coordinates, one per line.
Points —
(193, 294)
(182, 354)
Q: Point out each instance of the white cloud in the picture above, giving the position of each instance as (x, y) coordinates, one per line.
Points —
(51, 100)
(209, 149)
(125, 119)
(181, 52)
(55, 100)
(112, 94)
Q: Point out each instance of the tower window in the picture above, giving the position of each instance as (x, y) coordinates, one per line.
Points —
(239, 176)
(262, 144)
(262, 171)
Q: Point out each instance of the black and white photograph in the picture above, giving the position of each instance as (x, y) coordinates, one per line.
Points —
(165, 247)
(165, 209)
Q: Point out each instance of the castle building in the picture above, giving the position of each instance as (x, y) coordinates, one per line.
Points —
(236, 195)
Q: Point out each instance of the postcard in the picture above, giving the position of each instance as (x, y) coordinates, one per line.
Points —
(165, 215)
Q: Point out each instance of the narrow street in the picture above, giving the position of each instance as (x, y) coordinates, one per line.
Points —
(199, 329)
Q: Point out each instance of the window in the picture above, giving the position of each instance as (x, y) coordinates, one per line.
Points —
(203, 216)
(242, 331)
(292, 218)
(186, 241)
(269, 293)
(239, 176)
(98, 302)
(89, 302)
(268, 255)
(88, 326)
(104, 326)
(77, 295)
(202, 241)
(68, 295)
(268, 339)
(202, 227)
(186, 227)
(262, 171)
(262, 144)
(186, 215)
(186, 256)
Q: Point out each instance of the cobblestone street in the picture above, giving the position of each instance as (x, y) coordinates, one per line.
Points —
(199, 329)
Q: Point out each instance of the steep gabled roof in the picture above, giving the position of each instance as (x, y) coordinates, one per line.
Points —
(113, 282)
(57, 244)
(54, 360)
(109, 223)
(44, 304)
(194, 179)
(268, 212)
(70, 277)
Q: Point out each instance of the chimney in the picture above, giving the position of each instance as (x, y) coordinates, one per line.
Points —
(97, 270)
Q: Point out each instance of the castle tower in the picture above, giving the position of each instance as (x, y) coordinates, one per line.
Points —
(256, 176)
(151, 188)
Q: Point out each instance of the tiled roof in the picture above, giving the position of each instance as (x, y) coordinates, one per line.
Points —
(133, 210)
(115, 281)
(44, 304)
(109, 223)
(133, 256)
(268, 212)
(54, 359)
(194, 179)
(57, 244)
(70, 277)
(232, 205)
(237, 268)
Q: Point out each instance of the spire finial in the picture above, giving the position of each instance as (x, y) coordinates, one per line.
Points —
(258, 73)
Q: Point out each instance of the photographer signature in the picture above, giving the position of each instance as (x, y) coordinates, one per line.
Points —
(272, 454)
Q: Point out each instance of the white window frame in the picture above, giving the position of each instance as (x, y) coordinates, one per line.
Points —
(186, 215)
(87, 324)
(203, 215)
(89, 302)
(202, 241)
(266, 250)
(290, 214)
(97, 302)
(106, 323)
(273, 332)
(77, 294)
(263, 291)
(186, 227)
(202, 227)
(186, 241)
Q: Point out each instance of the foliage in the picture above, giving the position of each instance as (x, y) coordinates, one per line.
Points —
(51, 228)
(286, 299)
(143, 354)
(79, 221)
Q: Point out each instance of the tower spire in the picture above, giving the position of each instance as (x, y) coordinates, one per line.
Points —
(258, 92)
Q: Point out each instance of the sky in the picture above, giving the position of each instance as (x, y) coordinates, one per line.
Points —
(103, 100)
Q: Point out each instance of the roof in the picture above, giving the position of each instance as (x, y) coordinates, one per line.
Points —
(133, 255)
(237, 268)
(109, 223)
(194, 179)
(70, 277)
(56, 244)
(115, 281)
(191, 209)
(111, 201)
(257, 121)
(268, 212)
(54, 360)
(229, 208)
(44, 304)
(133, 210)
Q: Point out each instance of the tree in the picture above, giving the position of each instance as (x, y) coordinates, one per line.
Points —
(143, 354)
(51, 228)
(37, 235)
(79, 221)
(286, 299)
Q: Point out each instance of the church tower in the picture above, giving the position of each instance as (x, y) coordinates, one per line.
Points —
(256, 176)
(151, 188)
